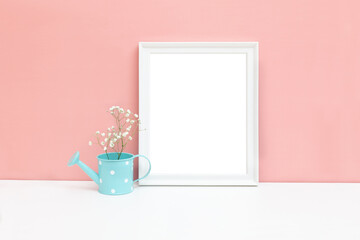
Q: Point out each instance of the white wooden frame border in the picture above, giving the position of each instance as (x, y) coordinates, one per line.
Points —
(251, 49)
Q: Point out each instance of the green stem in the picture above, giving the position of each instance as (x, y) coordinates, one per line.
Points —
(122, 148)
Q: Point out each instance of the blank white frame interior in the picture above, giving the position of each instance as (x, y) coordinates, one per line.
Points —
(198, 103)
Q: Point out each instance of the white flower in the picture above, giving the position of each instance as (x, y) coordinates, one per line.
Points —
(105, 148)
(103, 134)
(90, 143)
(129, 128)
(106, 139)
(114, 140)
(125, 133)
(109, 134)
(136, 116)
(112, 127)
(118, 136)
(112, 108)
(112, 113)
(111, 144)
(130, 138)
(97, 132)
(128, 111)
(121, 110)
(128, 120)
(127, 115)
(102, 143)
(132, 122)
(108, 129)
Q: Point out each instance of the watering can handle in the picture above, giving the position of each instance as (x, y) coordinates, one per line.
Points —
(147, 171)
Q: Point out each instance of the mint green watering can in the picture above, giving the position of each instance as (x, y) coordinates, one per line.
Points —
(115, 175)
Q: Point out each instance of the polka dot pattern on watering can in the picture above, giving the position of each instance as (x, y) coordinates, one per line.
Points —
(116, 177)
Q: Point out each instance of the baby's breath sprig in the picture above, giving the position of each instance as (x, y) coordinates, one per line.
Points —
(116, 138)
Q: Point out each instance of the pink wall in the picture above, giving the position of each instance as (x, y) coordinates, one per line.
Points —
(63, 63)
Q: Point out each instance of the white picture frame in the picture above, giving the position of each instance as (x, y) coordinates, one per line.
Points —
(173, 75)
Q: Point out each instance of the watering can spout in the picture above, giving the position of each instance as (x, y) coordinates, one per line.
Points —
(91, 173)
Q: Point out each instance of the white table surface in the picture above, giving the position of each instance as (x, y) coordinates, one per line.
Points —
(75, 210)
